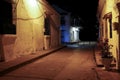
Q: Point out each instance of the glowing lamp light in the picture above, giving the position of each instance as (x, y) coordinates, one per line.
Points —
(33, 3)
(33, 8)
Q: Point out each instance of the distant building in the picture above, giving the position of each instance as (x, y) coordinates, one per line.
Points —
(70, 26)
(65, 24)
(75, 29)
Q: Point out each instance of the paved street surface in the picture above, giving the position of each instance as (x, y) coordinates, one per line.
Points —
(66, 64)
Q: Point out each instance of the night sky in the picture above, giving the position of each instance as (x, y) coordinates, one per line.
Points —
(86, 10)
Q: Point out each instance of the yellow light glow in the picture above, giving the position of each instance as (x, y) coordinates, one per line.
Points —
(33, 8)
(109, 5)
(33, 3)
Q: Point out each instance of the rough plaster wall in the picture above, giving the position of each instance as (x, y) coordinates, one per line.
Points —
(8, 47)
(53, 37)
(24, 41)
(55, 31)
(30, 22)
(39, 35)
(115, 13)
(115, 44)
(116, 33)
(54, 25)
(115, 19)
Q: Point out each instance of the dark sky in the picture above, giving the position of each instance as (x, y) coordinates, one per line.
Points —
(86, 9)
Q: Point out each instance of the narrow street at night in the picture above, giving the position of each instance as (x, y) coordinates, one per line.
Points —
(66, 64)
(69, 63)
(60, 40)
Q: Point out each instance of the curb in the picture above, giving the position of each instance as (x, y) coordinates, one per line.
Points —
(7, 67)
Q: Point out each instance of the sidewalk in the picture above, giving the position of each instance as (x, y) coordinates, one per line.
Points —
(103, 74)
(6, 67)
(98, 57)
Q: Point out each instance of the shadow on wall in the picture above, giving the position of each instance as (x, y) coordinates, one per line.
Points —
(7, 42)
(7, 28)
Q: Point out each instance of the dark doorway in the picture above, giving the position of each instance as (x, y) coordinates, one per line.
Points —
(47, 26)
(6, 26)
